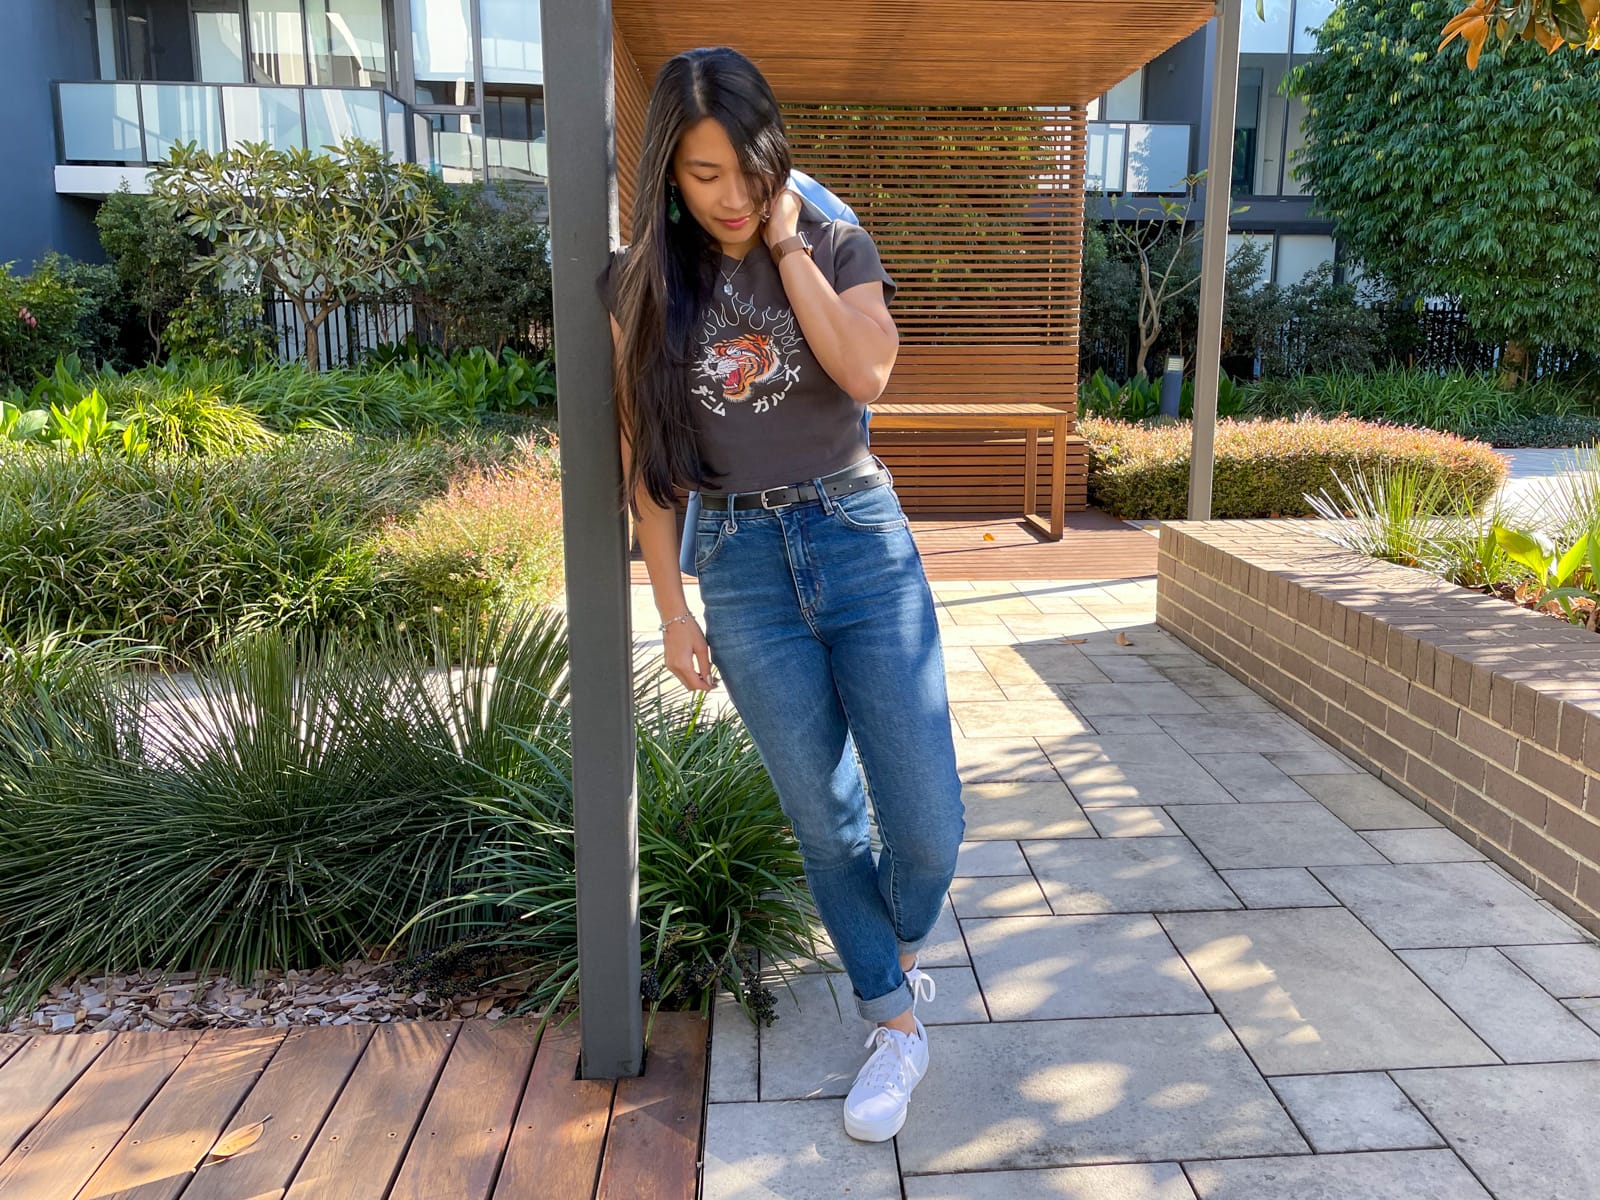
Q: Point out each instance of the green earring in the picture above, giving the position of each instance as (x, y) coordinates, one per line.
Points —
(674, 213)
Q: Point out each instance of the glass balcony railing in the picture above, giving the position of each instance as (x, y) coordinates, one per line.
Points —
(137, 124)
(1147, 157)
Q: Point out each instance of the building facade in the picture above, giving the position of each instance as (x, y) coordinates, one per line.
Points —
(1152, 129)
(109, 86)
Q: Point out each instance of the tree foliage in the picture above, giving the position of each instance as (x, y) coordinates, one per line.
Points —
(1474, 185)
(488, 280)
(152, 254)
(321, 229)
(1551, 23)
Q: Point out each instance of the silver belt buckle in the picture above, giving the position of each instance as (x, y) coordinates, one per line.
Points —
(781, 488)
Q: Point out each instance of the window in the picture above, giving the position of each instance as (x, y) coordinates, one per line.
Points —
(1301, 253)
(512, 52)
(441, 47)
(1269, 36)
(347, 43)
(219, 41)
(1125, 102)
(277, 42)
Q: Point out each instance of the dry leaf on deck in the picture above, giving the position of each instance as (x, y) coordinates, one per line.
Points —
(242, 1138)
(988, 537)
(1075, 641)
(1122, 639)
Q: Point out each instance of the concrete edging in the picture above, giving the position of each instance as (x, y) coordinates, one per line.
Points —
(1485, 715)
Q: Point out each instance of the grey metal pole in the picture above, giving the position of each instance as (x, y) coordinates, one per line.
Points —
(580, 111)
(1214, 257)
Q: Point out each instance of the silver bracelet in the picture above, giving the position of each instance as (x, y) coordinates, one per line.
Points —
(688, 616)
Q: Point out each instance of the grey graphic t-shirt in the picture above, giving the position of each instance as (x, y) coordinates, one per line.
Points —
(765, 411)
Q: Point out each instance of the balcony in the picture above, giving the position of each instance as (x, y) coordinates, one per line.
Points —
(1139, 157)
(113, 131)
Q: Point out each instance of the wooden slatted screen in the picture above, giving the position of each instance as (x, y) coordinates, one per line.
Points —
(978, 214)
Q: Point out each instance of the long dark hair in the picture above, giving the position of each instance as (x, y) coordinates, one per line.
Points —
(671, 265)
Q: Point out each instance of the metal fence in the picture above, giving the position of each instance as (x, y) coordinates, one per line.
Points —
(352, 330)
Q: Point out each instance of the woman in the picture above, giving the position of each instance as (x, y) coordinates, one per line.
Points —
(751, 333)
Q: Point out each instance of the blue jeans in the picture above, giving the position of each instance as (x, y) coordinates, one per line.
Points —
(821, 624)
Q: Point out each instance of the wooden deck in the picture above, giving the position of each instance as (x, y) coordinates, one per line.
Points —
(419, 1110)
(1094, 546)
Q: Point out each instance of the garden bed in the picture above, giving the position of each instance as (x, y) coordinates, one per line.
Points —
(1484, 714)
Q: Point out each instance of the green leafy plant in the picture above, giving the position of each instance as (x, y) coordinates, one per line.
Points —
(151, 255)
(1557, 573)
(321, 229)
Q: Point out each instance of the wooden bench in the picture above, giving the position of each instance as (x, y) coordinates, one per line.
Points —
(1033, 418)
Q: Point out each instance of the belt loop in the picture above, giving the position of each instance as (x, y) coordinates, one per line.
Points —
(730, 523)
(822, 494)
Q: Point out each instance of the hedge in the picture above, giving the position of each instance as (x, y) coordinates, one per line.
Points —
(1266, 468)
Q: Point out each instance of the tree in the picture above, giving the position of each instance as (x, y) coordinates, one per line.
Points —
(152, 254)
(1160, 241)
(321, 229)
(1475, 185)
(488, 282)
(1551, 23)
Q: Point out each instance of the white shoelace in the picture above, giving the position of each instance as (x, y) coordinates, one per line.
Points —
(890, 1064)
(922, 986)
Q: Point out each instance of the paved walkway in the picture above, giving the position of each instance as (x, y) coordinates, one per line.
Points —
(1191, 954)
(1532, 474)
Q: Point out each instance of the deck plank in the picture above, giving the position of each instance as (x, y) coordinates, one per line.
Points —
(39, 1074)
(360, 1146)
(463, 1135)
(68, 1145)
(653, 1149)
(155, 1160)
(561, 1126)
(297, 1090)
(10, 1043)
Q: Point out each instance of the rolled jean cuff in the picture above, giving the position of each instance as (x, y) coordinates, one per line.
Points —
(906, 948)
(887, 1006)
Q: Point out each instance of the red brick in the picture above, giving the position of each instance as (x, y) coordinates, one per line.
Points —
(1579, 833)
(1388, 754)
(1482, 817)
(1416, 736)
(1489, 739)
(1546, 856)
(1461, 761)
(1547, 721)
(1515, 794)
(1524, 700)
(1553, 774)
(1392, 686)
(1501, 692)
(1430, 707)
(1429, 781)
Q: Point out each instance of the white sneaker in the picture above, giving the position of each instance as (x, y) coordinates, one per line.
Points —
(875, 1109)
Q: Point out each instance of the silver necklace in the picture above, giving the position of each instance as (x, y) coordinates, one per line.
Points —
(727, 280)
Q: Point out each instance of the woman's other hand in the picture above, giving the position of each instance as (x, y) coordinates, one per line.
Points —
(688, 656)
(783, 217)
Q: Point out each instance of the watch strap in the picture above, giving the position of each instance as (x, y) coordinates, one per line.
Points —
(789, 245)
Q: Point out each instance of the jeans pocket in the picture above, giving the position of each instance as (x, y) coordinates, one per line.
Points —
(874, 510)
(709, 534)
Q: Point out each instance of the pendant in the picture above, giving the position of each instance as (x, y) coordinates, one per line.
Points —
(727, 289)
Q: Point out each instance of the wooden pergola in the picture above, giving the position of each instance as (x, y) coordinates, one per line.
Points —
(956, 129)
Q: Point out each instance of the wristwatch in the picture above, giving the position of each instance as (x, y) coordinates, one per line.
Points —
(789, 245)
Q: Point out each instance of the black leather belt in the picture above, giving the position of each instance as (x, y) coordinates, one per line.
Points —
(858, 477)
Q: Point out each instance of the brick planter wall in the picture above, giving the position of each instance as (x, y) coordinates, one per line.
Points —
(1484, 714)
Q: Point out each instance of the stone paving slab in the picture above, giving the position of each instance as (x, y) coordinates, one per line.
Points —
(1105, 875)
(1385, 1175)
(1057, 1093)
(1563, 971)
(1362, 802)
(1519, 1019)
(1044, 968)
(1310, 989)
(1252, 777)
(1277, 887)
(1123, 821)
(792, 1151)
(1008, 811)
(1355, 1110)
(1271, 835)
(1527, 1131)
(998, 896)
(1114, 1181)
(1422, 845)
(1133, 768)
(1420, 905)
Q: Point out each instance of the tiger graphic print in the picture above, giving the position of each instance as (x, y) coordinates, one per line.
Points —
(749, 357)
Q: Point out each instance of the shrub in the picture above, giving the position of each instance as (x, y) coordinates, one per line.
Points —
(227, 326)
(493, 538)
(1268, 468)
(299, 804)
(488, 281)
(187, 552)
(1543, 430)
(485, 382)
(39, 315)
(150, 255)
(1326, 328)
(1459, 403)
(1140, 399)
